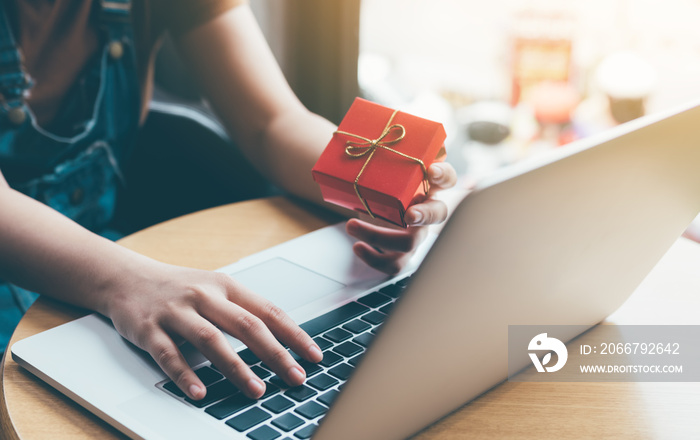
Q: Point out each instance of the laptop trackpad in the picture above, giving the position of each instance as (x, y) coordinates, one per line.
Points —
(286, 284)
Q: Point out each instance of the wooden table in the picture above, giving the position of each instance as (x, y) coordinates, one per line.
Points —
(216, 237)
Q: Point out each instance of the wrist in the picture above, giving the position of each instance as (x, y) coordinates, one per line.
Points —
(122, 276)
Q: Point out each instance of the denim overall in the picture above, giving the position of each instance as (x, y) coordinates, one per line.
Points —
(74, 169)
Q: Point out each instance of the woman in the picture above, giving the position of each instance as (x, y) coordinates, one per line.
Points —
(74, 77)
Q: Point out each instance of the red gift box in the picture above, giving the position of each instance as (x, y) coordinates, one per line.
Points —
(376, 161)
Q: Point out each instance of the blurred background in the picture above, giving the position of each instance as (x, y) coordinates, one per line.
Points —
(512, 78)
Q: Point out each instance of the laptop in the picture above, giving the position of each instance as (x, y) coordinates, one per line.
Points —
(559, 240)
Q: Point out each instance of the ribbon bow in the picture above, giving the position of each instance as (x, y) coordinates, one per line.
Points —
(367, 147)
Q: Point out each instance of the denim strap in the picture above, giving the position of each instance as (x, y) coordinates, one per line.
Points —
(115, 19)
(115, 12)
(15, 82)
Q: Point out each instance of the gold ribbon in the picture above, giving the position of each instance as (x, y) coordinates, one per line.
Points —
(369, 146)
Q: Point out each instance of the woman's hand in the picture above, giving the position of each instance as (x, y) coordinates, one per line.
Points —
(164, 305)
(387, 248)
(152, 304)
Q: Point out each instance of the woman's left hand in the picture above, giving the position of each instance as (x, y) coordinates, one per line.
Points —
(388, 248)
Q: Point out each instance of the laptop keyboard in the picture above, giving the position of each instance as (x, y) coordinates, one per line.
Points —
(343, 335)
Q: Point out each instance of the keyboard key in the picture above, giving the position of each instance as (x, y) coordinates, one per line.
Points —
(208, 375)
(306, 431)
(248, 356)
(170, 386)
(387, 308)
(393, 290)
(348, 349)
(341, 371)
(310, 368)
(364, 339)
(374, 317)
(270, 389)
(330, 358)
(333, 318)
(356, 360)
(260, 372)
(264, 433)
(356, 326)
(215, 392)
(374, 300)
(287, 422)
(294, 356)
(327, 398)
(278, 404)
(300, 393)
(322, 382)
(338, 335)
(323, 343)
(248, 419)
(276, 380)
(311, 410)
(404, 282)
(230, 406)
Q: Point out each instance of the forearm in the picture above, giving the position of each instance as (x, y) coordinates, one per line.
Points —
(299, 138)
(45, 252)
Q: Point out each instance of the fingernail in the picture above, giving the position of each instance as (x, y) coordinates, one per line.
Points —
(255, 387)
(194, 391)
(315, 352)
(296, 375)
(438, 173)
(417, 218)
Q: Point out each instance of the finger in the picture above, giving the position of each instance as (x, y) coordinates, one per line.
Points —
(389, 263)
(398, 240)
(429, 212)
(281, 325)
(170, 360)
(252, 331)
(212, 343)
(441, 175)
